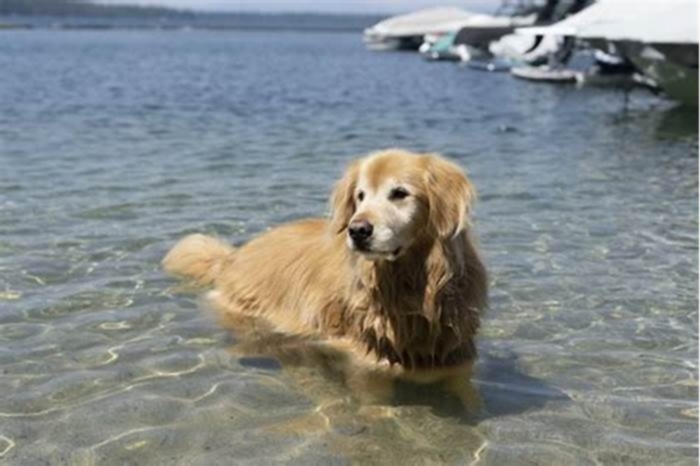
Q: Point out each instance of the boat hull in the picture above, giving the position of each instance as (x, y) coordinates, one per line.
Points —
(673, 67)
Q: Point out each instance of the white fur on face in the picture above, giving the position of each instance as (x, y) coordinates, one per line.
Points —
(393, 220)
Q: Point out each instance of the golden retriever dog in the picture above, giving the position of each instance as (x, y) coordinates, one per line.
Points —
(393, 273)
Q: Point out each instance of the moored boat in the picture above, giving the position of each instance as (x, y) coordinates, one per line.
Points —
(406, 32)
(660, 37)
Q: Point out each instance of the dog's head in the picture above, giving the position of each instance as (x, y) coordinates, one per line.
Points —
(390, 200)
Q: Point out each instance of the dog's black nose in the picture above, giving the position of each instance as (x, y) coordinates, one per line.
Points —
(360, 231)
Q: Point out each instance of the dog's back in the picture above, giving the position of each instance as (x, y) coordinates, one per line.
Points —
(294, 275)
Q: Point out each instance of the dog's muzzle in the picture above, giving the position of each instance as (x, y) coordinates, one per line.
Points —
(360, 233)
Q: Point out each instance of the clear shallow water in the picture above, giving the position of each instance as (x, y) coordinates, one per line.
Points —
(115, 144)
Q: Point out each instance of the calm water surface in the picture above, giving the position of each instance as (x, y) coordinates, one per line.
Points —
(115, 144)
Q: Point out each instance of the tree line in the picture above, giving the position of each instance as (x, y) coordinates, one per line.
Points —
(82, 8)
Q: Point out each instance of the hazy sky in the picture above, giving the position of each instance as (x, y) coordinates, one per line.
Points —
(350, 6)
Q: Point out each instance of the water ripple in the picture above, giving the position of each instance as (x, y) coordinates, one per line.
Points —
(587, 219)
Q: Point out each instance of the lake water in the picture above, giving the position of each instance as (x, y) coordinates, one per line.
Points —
(114, 144)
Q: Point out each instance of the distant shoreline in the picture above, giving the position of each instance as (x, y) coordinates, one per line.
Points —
(210, 22)
(107, 27)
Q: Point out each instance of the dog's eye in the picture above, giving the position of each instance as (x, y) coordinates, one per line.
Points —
(397, 194)
(361, 196)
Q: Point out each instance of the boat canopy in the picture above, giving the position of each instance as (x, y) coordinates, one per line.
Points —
(443, 20)
(418, 23)
(647, 21)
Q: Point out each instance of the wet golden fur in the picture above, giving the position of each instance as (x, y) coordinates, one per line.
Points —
(418, 312)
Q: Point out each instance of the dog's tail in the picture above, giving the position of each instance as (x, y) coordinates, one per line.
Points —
(199, 258)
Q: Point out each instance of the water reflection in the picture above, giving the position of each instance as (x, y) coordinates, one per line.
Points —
(362, 415)
(679, 121)
(328, 373)
(507, 390)
(325, 370)
(668, 122)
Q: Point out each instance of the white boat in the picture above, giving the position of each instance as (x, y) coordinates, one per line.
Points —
(525, 49)
(406, 32)
(481, 29)
(659, 36)
(545, 73)
(649, 21)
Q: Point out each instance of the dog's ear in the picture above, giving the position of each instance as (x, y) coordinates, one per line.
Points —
(450, 196)
(343, 198)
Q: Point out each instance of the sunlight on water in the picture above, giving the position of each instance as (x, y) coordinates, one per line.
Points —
(115, 144)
